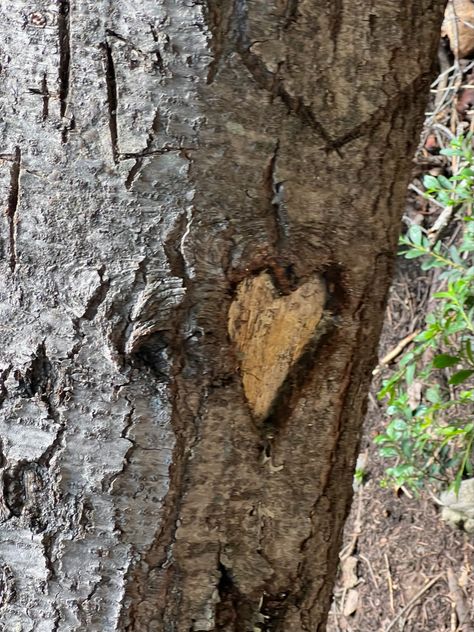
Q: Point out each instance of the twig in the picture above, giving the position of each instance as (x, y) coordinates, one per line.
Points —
(455, 21)
(422, 193)
(371, 570)
(413, 601)
(391, 355)
(336, 615)
(459, 600)
(390, 583)
(442, 221)
(350, 546)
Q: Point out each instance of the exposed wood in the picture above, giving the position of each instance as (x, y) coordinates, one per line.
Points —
(271, 331)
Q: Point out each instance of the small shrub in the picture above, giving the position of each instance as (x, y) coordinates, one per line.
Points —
(431, 441)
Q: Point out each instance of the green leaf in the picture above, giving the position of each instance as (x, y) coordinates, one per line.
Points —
(444, 182)
(451, 152)
(468, 348)
(433, 394)
(428, 334)
(453, 251)
(444, 360)
(406, 359)
(388, 452)
(413, 254)
(460, 376)
(415, 234)
(410, 373)
(430, 182)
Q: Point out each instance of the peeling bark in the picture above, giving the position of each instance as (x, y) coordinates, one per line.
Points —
(182, 182)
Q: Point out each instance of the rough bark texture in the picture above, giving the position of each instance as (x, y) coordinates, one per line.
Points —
(168, 168)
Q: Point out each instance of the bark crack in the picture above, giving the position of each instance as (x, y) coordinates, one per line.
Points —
(3, 393)
(148, 151)
(227, 610)
(270, 82)
(275, 193)
(12, 207)
(336, 15)
(43, 91)
(98, 296)
(112, 98)
(64, 34)
(291, 13)
(220, 14)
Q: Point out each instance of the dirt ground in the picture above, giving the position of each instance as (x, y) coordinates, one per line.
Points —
(402, 568)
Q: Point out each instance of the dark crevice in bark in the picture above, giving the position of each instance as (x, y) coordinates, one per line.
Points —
(45, 93)
(291, 13)
(12, 207)
(153, 352)
(108, 481)
(47, 380)
(155, 152)
(172, 248)
(14, 487)
(64, 34)
(56, 620)
(112, 98)
(36, 380)
(226, 612)
(111, 33)
(270, 82)
(48, 541)
(159, 59)
(234, 611)
(273, 609)
(336, 9)
(219, 18)
(275, 194)
(147, 151)
(98, 297)
(133, 173)
(7, 585)
(3, 389)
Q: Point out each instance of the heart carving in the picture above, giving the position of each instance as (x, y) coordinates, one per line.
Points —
(270, 332)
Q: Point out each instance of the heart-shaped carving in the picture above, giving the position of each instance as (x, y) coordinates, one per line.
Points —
(270, 332)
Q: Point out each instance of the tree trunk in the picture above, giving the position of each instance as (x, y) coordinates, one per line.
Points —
(202, 202)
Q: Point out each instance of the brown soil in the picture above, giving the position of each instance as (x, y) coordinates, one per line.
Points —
(397, 553)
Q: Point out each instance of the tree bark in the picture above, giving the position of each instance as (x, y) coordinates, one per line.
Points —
(202, 201)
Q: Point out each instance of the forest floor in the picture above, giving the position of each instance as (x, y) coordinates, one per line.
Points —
(402, 569)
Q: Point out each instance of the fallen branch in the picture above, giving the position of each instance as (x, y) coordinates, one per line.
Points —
(462, 610)
(391, 355)
(413, 601)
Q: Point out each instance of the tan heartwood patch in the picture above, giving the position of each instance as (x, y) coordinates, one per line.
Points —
(270, 332)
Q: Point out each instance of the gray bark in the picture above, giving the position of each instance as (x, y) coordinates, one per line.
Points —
(168, 169)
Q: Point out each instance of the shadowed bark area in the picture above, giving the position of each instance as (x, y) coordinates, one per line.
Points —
(202, 203)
